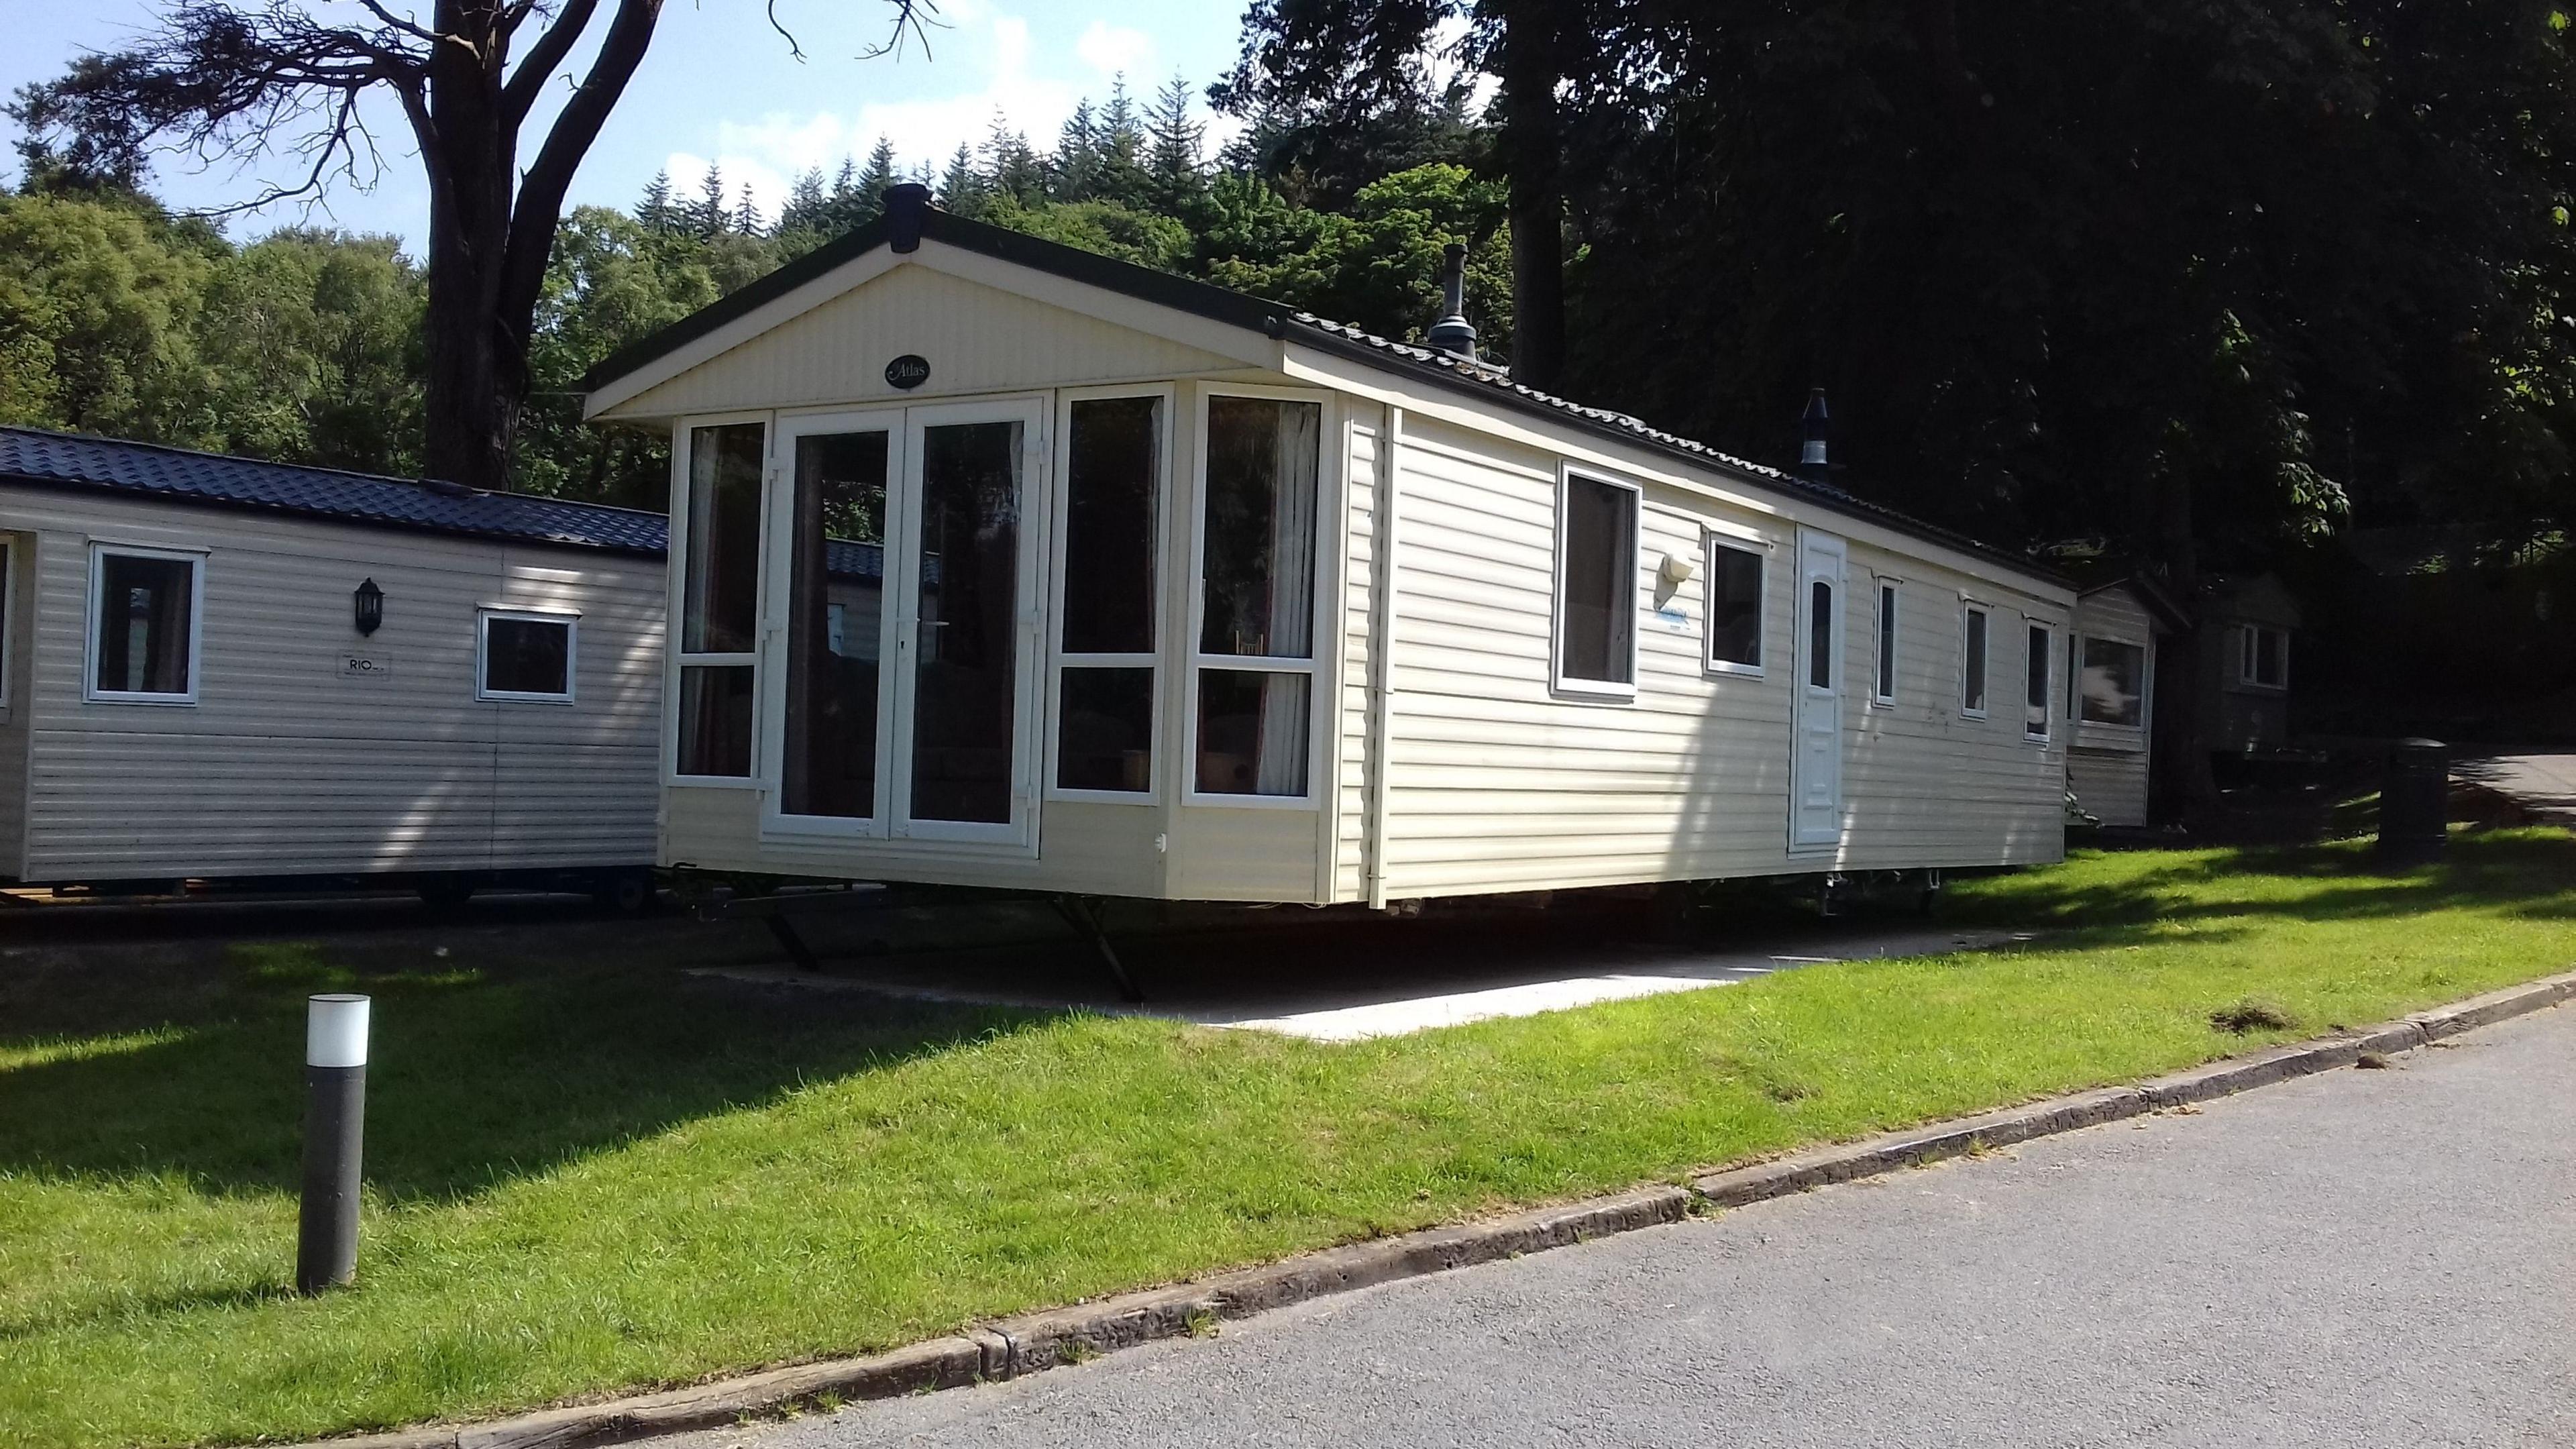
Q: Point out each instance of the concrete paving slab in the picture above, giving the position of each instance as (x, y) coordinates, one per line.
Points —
(2543, 785)
(1323, 991)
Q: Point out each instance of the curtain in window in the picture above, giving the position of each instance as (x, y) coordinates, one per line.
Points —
(1280, 767)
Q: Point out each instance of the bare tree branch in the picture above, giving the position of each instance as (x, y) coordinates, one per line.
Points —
(912, 17)
(538, 65)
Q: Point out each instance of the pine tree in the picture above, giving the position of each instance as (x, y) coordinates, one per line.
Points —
(881, 173)
(707, 218)
(1011, 166)
(655, 209)
(1076, 163)
(808, 208)
(746, 215)
(845, 183)
(1173, 140)
(959, 188)
(1120, 147)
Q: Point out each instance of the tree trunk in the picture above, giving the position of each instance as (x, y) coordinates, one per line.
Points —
(1531, 149)
(477, 373)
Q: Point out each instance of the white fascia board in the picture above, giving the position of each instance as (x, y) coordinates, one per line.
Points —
(1308, 364)
(1238, 344)
(857, 272)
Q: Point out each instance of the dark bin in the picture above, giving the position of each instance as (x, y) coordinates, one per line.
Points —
(2413, 800)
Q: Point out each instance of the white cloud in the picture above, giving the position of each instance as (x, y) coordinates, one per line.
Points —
(1110, 49)
(771, 152)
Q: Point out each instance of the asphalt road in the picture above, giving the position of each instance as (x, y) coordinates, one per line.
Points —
(2360, 1258)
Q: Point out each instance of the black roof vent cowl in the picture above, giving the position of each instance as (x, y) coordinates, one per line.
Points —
(905, 204)
(1453, 334)
(1813, 425)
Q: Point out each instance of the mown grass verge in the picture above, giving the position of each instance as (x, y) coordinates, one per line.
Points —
(594, 1179)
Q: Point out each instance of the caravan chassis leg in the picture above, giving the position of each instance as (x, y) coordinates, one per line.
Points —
(1083, 914)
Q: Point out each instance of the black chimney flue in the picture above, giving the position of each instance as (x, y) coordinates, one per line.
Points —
(1812, 427)
(905, 204)
(1453, 333)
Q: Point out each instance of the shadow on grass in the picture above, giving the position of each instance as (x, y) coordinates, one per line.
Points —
(2528, 873)
(475, 1080)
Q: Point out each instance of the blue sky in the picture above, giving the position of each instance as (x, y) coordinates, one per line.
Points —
(720, 85)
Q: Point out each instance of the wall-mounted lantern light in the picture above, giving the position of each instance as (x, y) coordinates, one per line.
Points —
(371, 607)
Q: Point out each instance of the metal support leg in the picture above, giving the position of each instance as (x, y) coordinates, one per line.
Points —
(1083, 914)
(792, 943)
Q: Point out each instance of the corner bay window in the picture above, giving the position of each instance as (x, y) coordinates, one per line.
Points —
(1734, 608)
(1105, 618)
(1257, 602)
(719, 599)
(2112, 689)
(143, 606)
(1596, 585)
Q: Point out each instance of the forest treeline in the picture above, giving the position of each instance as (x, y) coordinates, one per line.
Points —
(2205, 283)
(118, 317)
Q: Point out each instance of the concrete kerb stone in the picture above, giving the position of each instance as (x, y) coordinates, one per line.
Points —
(1033, 1342)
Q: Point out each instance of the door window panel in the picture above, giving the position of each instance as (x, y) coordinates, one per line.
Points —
(965, 703)
(715, 720)
(1820, 634)
(1105, 739)
(835, 608)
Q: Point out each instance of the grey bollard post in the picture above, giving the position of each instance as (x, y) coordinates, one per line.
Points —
(335, 1119)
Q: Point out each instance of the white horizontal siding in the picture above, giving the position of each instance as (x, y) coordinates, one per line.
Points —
(1350, 720)
(1499, 783)
(2111, 786)
(286, 765)
(16, 613)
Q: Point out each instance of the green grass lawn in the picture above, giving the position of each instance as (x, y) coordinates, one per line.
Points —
(586, 1179)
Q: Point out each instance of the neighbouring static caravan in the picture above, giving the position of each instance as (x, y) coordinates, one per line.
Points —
(1139, 635)
(220, 669)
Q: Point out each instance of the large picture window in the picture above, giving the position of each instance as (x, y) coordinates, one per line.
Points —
(2112, 689)
(1113, 485)
(1734, 608)
(719, 598)
(1255, 650)
(143, 629)
(525, 657)
(1596, 586)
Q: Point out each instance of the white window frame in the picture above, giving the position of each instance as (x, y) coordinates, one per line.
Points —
(2038, 646)
(676, 557)
(483, 617)
(8, 609)
(2146, 686)
(1600, 691)
(1713, 538)
(2248, 636)
(1329, 434)
(1058, 661)
(1986, 684)
(195, 559)
(1887, 624)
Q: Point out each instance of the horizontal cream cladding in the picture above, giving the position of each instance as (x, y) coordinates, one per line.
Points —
(16, 610)
(976, 338)
(287, 764)
(1498, 783)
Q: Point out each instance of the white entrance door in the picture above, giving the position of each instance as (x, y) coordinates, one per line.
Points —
(1816, 766)
(904, 594)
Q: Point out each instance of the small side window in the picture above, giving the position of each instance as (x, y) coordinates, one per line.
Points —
(2266, 657)
(1883, 686)
(1596, 588)
(1972, 664)
(525, 657)
(2113, 684)
(2034, 722)
(143, 625)
(1734, 608)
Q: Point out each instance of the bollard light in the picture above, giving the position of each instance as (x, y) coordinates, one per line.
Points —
(335, 1115)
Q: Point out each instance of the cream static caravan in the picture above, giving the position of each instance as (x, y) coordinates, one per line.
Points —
(220, 669)
(1186, 596)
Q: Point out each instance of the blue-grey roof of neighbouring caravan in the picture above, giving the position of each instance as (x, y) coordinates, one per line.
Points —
(178, 475)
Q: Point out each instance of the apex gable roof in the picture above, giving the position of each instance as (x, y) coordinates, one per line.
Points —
(1275, 321)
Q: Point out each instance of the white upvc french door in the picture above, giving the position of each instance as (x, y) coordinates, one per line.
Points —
(906, 667)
